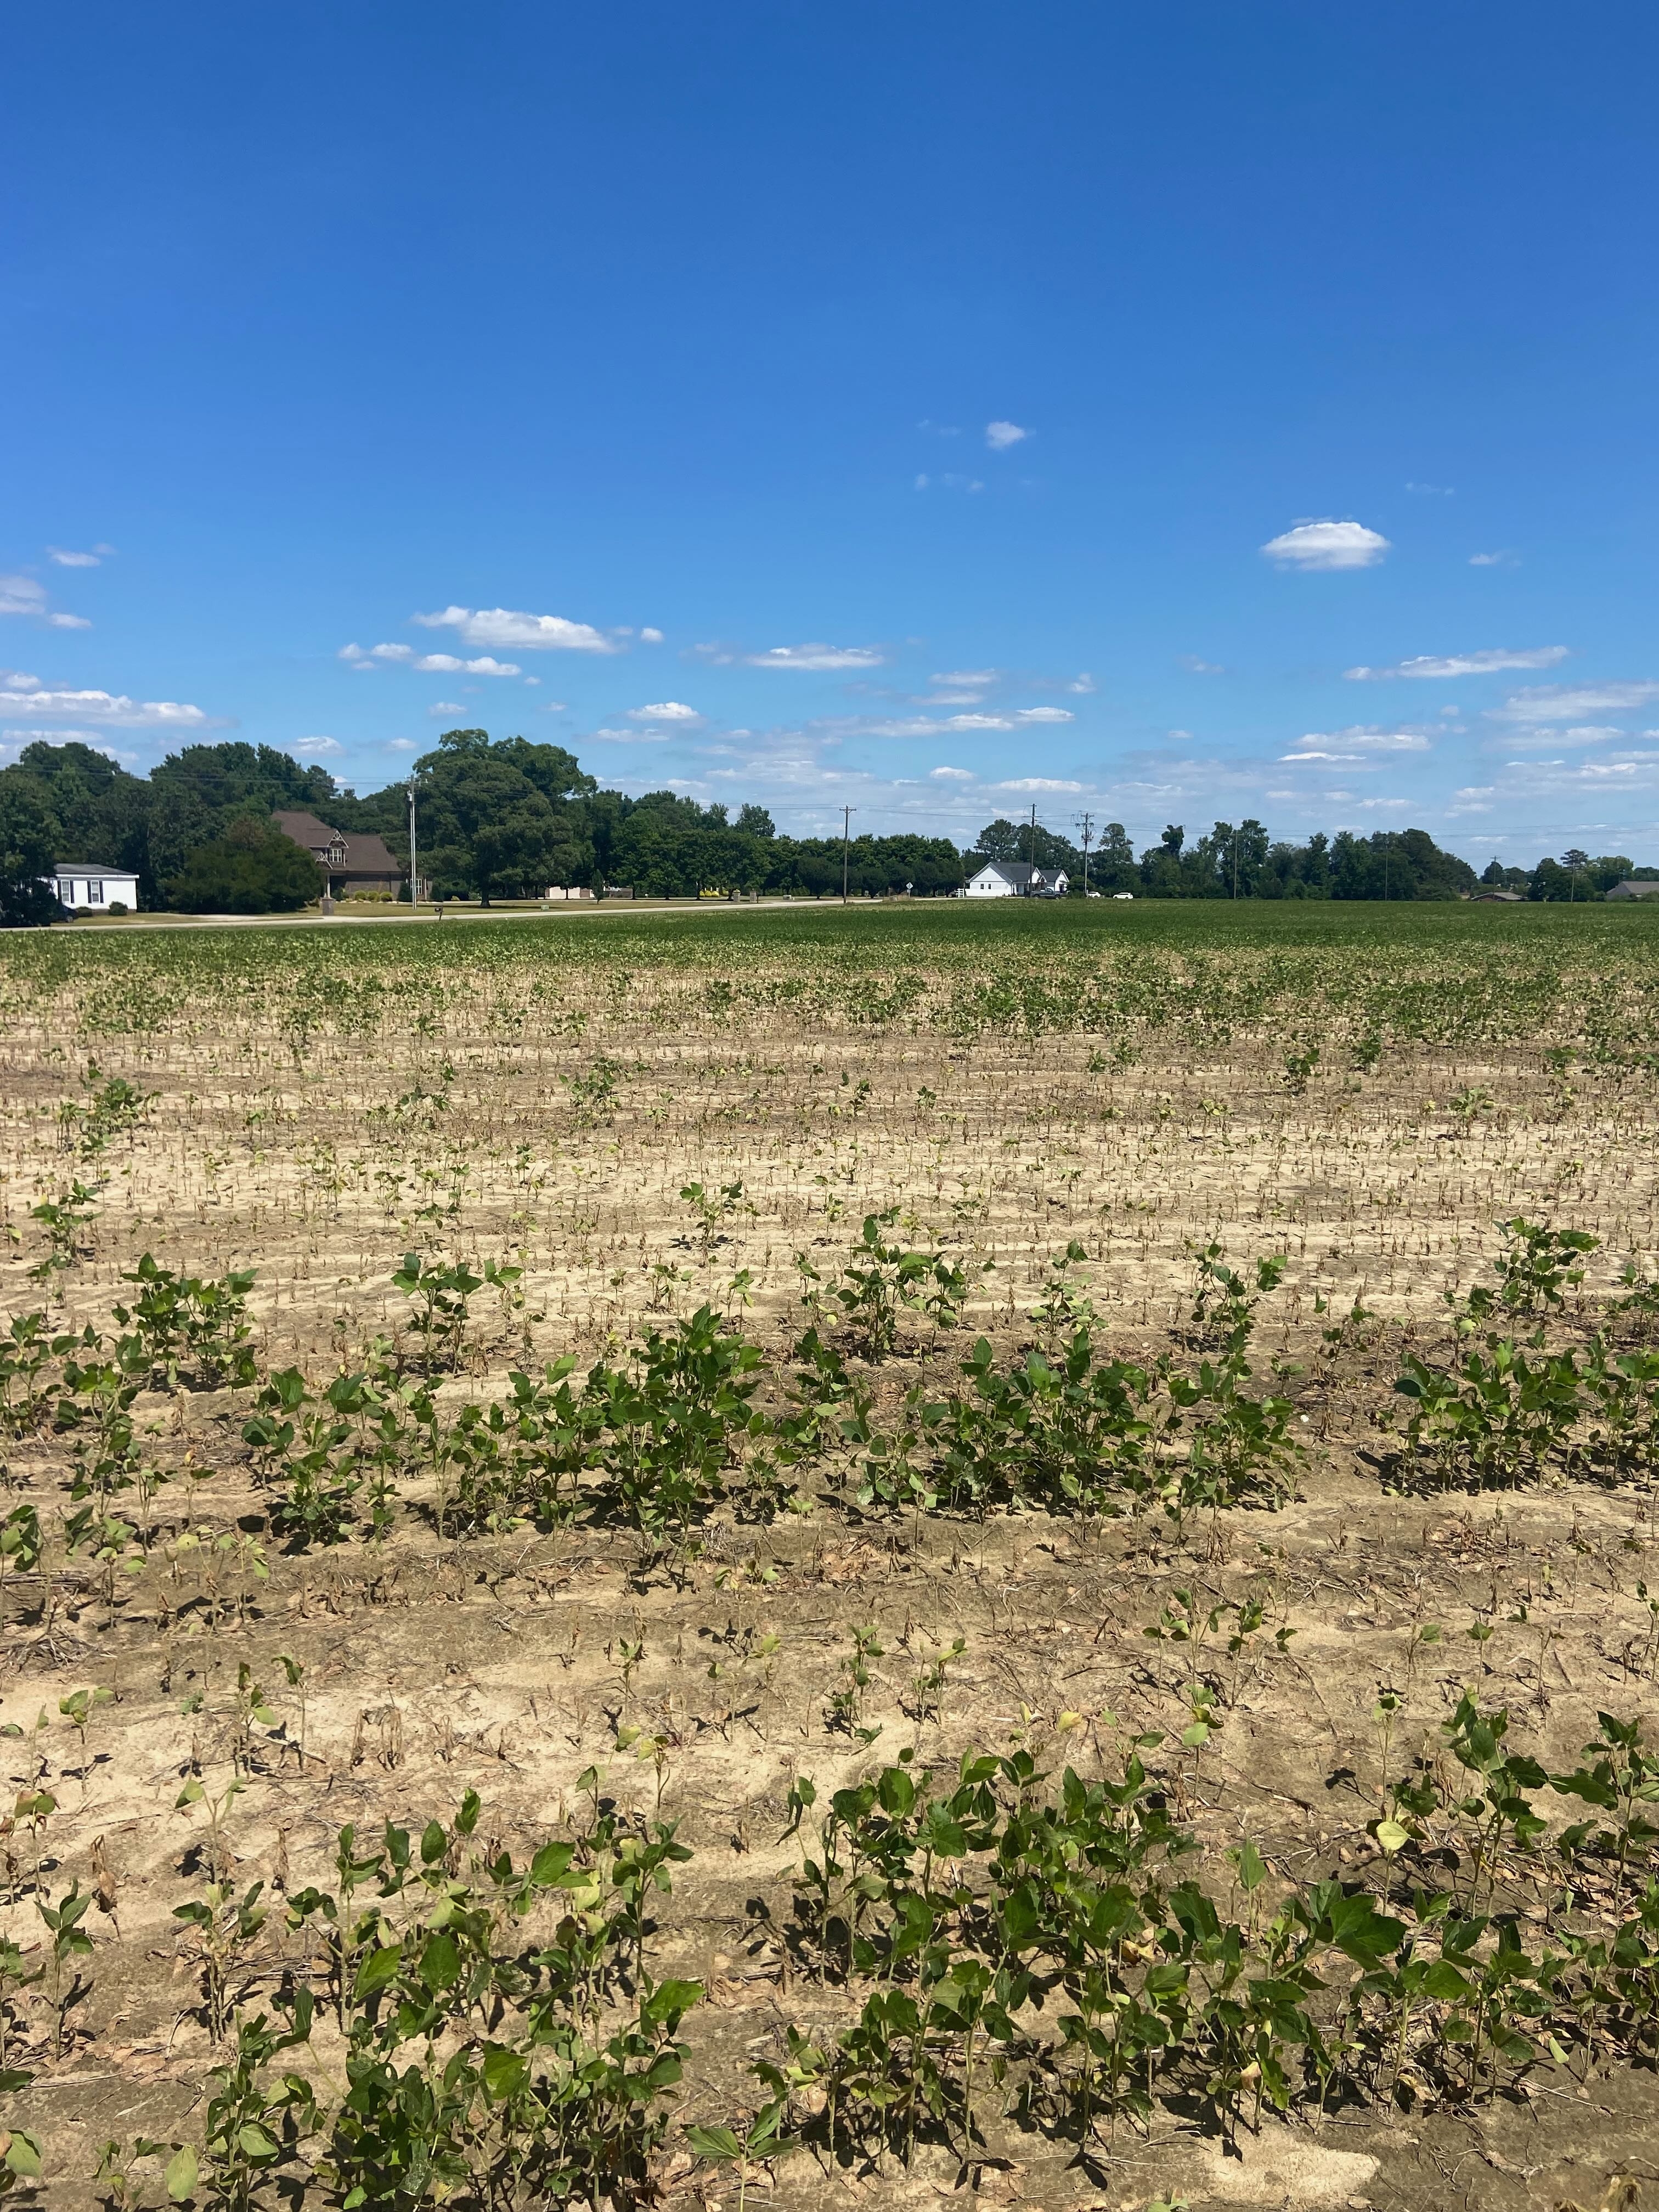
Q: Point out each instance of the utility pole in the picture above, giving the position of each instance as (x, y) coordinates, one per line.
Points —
(1235, 864)
(414, 871)
(1029, 886)
(1085, 831)
(846, 813)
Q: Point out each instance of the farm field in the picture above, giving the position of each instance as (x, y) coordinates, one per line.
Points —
(711, 1561)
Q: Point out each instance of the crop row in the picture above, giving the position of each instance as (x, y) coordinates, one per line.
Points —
(999, 1947)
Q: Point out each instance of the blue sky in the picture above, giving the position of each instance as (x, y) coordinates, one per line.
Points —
(1173, 410)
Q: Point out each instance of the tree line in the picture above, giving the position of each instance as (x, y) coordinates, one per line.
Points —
(506, 818)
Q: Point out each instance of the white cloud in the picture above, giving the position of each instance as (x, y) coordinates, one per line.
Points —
(1085, 683)
(921, 484)
(431, 663)
(1000, 436)
(649, 636)
(1502, 559)
(1484, 662)
(634, 737)
(1567, 703)
(314, 746)
(1432, 491)
(67, 560)
(501, 626)
(1037, 783)
(22, 595)
(670, 710)
(19, 681)
(1581, 733)
(948, 698)
(953, 775)
(1361, 737)
(1045, 715)
(446, 707)
(1327, 544)
(816, 657)
(400, 745)
(114, 709)
(1195, 666)
(978, 678)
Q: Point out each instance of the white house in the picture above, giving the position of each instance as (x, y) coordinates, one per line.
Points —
(85, 888)
(1015, 879)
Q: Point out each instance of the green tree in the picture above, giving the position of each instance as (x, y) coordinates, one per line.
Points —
(252, 869)
(101, 813)
(495, 821)
(195, 795)
(28, 836)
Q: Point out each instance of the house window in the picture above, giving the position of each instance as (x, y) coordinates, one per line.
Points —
(95, 894)
(337, 855)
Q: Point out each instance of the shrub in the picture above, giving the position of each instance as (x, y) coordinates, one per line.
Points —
(252, 869)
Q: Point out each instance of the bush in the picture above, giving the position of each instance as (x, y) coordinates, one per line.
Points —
(252, 869)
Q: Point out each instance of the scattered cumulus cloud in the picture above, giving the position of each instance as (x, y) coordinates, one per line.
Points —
(1502, 559)
(1045, 715)
(1354, 743)
(1573, 703)
(446, 707)
(1195, 666)
(112, 709)
(1037, 783)
(952, 775)
(24, 595)
(66, 559)
(400, 745)
(438, 664)
(502, 626)
(1432, 491)
(1084, 683)
(975, 677)
(1327, 544)
(634, 737)
(1582, 734)
(1000, 436)
(1491, 660)
(313, 748)
(670, 710)
(649, 636)
(813, 657)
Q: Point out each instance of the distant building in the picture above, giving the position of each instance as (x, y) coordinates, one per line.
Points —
(85, 888)
(1015, 879)
(354, 863)
(1504, 898)
(575, 891)
(1631, 888)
